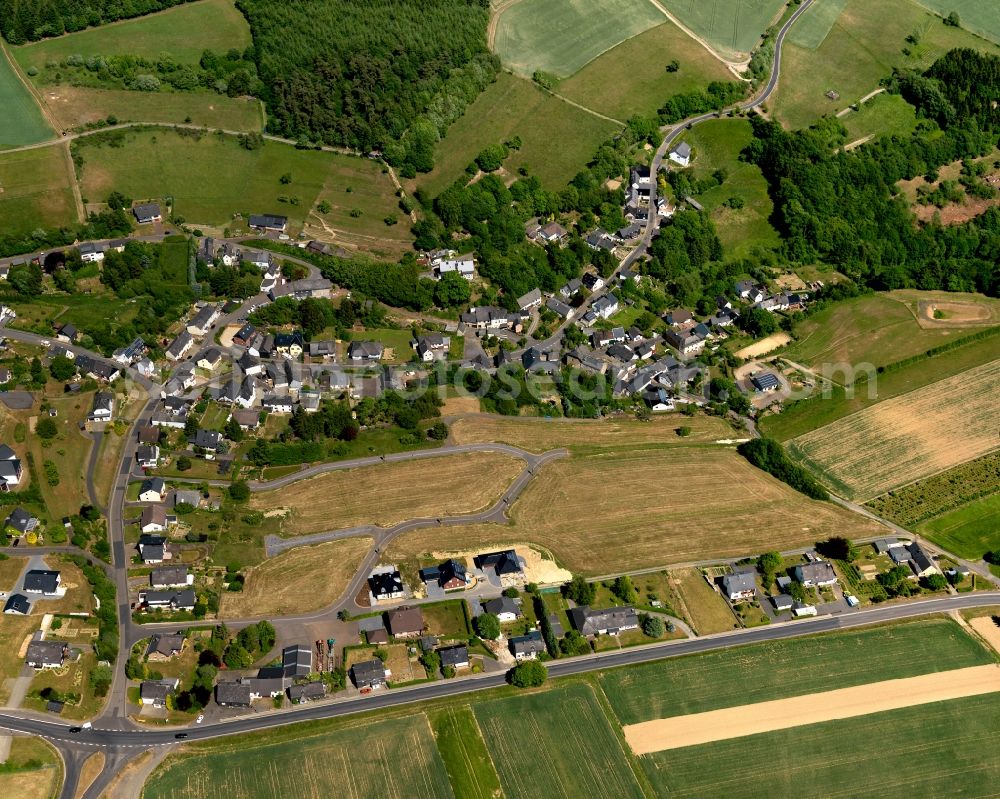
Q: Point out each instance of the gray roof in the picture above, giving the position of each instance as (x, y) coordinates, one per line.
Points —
(589, 621)
(526, 644)
(41, 581)
(41, 653)
(501, 604)
(454, 655)
(233, 693)
(368, 672)
(17, 603)
(204, 316)
(739, 582)
(309, 690)
(683, 149)
(169, 576)
(156, 690)
(152, 484)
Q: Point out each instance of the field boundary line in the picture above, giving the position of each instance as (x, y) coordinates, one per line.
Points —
(74, 182)
(732, 65)
(590, 111)
(866, 699)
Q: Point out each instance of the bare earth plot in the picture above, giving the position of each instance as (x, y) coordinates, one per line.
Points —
(297, 581)
(391, 493)
(799, 711)
(906, 438)
(670, 505)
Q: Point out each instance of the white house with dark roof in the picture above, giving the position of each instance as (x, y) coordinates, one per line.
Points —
(179, 346)
(10, 468)
(681, 154)
(740, 586)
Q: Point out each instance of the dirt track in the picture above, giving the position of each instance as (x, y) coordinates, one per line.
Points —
(780, 714)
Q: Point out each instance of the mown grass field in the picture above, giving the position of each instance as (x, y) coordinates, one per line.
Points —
(297, 581)
(717, 145)
(560, 36)
(976, 16)
(557, 139)
(21, 121)
(906, 438)
(629, 79)
(672, 505)
(862, 46)
(390, 493)
(733, 28)
(41, 781)
(36, 189)
(588, 436)
(184, 31)
(556, 744)
(760, 672)
(968, 531)
(878, 329)
(372, 760)
(883, 115)
(812, 27)
(78, 106)
(211, 177)
(885, 755)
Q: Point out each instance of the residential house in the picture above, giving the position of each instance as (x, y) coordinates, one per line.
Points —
(185, 497)
(246, 418)
(920, 562)
(202, 321)
(504, 563)
(153, 549)
(145, 367)
(210, 359)
(455, 657)
(527, 647)
(600, 240)
(606, 621)
(764, 382)
(275, 403)
(386, 584)
(570, 289)
(365, 350)
(10, 468)
(208, 440)
(21, 521)
(883, 545)
(244, 334)
(681, 154)
(487, 317)
(622, 353)
(310, 401)
(817, 573)
(153, 519)
(463, 265)
(179, 346)
(247, 394)
(68, 333)
(782, 602)
(432, 346)
(170, 577)
(17, 605)
(152, 490)
(290, 344)
(678, 317)
(503, 607)
(155, 692)
(148, 434)
(685, 342)
(183, 599)
(258, 258)
(530, 300)
(46, 654)
(104, 407)
(369, 674)
(146, 213)
(605, 306)
(740, 586)
(307, 692)
(323, 349)
(234, 694)
(249, 364)
(91, 252)
(42, 581)
(301, 289)
(268, 222)
(592, 281)
(405, 622)
(552, 233)
(557, 306)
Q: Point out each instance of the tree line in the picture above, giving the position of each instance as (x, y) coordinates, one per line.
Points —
(30, 20)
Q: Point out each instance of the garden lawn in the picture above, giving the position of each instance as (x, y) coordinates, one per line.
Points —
(36, 187)
(184, 32)
(968, 531)
(560, 36)
(717, 145)
(557, 140)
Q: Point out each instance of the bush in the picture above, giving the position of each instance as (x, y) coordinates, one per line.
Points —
(653, 626)
(239, 491)
(46, 428)
(529, 674)
(487, 626)
(183, 463)
(580, 591)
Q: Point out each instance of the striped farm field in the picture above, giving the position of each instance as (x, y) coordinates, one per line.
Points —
(906, 438)
(732, 27)
(21, 121)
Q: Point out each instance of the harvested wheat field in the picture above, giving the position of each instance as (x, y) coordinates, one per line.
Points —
(390, 493)
(798, 711)
(908, 437)
(297, 581)
(536, 434)
(634, 509)
(988, 629)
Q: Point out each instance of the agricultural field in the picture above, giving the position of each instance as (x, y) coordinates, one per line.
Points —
(862, 46)
(717, 145)
(883, 115)
(211, 177)
(373, 759)
(556, 138)
(981, 18)
(777, 669)
(879, 329)
(626, 80)
(36, 770)
(74, 107)
(21, 121)
(536, 757)
(733, 29)
(969, 531)
(952, 741)
(184, 31)
(464, 752)
(812, 27)
(940, 493)
(560, 36)
(298, 580)
(674, 504)
(36, 189)
(584, 436)
(10, 570)
(906, 438)
(390, 493)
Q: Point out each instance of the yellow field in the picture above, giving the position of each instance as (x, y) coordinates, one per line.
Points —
(540, 435)
(10, 570)
(297, 581)
(391, 493)
(908, 437)
(633, 509)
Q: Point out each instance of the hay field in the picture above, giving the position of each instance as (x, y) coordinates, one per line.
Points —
(390, 493)
(628, 79)
(587, 435)
(635, 509)
(906, 438)
(732, 27)
(796, 667)
(863, 45)
(184, 31)
(10, 570)
(41, 782)
(21, 121)
(952, 743)
(560, 36)
(537, 757)
(36, 188)
(298, 580)
(374, 759)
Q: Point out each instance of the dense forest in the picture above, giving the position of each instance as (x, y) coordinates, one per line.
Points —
(29, 20)
(388, 74)
(845, 209)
